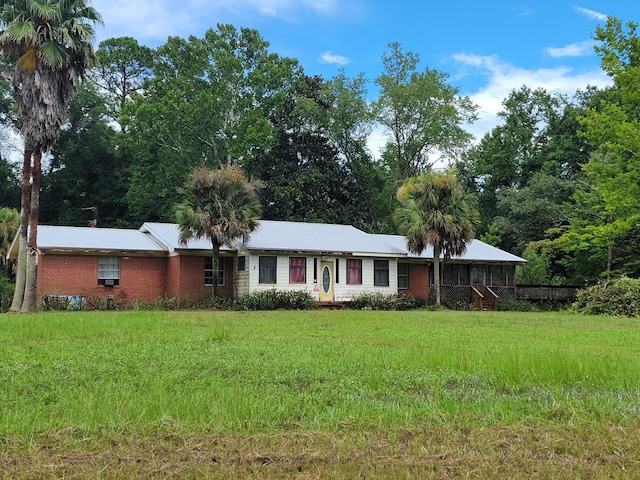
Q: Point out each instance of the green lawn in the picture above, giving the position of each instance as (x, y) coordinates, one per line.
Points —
(318, 394)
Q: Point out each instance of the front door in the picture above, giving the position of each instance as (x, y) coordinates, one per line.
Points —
(326, 281)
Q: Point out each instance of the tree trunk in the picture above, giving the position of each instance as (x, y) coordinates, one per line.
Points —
(215, 262)
(29, 303)
(436, 271)
(21, 273)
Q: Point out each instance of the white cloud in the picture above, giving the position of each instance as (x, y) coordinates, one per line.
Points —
(143, 19)
(503, 78)
(328, 57)
(154, 20)
(572, 50)
(284, 7)
(522, 10)
(601, 17)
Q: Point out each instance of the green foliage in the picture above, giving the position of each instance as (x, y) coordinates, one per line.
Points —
(380, 301)
(317, 169)
(619, 297)
(170, 304)
(421, 112)
(123, 66)
(207, 103)
(221, 206)
(87, 177)
(6, 292)
(436, 211)
(276, 300)
(537, 270)
(601, 237)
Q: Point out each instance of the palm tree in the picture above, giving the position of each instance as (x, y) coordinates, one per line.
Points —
(48, 45)
(434, 210)
(222, 206)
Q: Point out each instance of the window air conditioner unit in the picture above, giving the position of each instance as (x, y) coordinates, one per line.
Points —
(109, 282)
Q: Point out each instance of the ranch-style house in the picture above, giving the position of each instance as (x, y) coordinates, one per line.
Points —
(334, 263)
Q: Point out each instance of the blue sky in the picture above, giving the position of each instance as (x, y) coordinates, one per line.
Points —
(487, 48)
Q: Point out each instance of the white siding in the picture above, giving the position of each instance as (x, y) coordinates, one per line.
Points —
(342, 291)
(282, 275)
(345, 292)
(241, 278)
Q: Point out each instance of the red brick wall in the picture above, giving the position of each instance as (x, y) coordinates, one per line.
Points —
(140, 277)
(192, 279)
(418, 280)
(173, 276)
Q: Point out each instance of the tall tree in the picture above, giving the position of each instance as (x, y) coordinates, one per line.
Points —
(604, 227)
(123, 66)
(209, 102)
(220, 205)
(423, 115)
(87, 178)
(435, 210)
(304, 176)
(49, 43)
(350, 120)
(507, 156)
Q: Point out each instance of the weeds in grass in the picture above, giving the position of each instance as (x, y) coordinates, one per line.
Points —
(102, 378)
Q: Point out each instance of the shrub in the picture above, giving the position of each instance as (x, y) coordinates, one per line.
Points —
(379, 301)
(512, 305)
(173, 303)
(620, 297)
(276, 299)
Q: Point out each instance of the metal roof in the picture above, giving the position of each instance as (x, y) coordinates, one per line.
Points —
(286, 237)
(92, 240)
(317, 237)
(169, 234)
(477, 251)
(270, 235)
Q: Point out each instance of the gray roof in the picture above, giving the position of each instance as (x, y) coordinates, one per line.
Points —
(317, 237)
(86, 239)
(477, 251)
(271, 236)
(169, 233)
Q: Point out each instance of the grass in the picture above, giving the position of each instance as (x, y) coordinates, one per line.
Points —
(318, 394)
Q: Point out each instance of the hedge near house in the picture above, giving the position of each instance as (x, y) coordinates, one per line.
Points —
(619, 297)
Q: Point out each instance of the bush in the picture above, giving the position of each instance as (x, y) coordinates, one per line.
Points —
(511, 305)
(620, 297)
(276, 299)
(6, 295)
(379, 301)
(172, 303)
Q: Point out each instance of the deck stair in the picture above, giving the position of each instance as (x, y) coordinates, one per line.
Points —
(484, 298)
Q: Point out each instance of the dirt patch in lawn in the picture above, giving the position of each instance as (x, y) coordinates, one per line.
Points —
(605, 451)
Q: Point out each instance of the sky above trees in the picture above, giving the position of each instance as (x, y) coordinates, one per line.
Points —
(487, 48)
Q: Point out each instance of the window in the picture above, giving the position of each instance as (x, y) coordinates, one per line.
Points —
(499, 275)
(337, 270)
(455, 274)
(354, 272)
(477, 275)
(108, 271)
(268, 269)
(208, 271)
(297, 270)
(403, 275)
(242, 262)
(381, 273)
